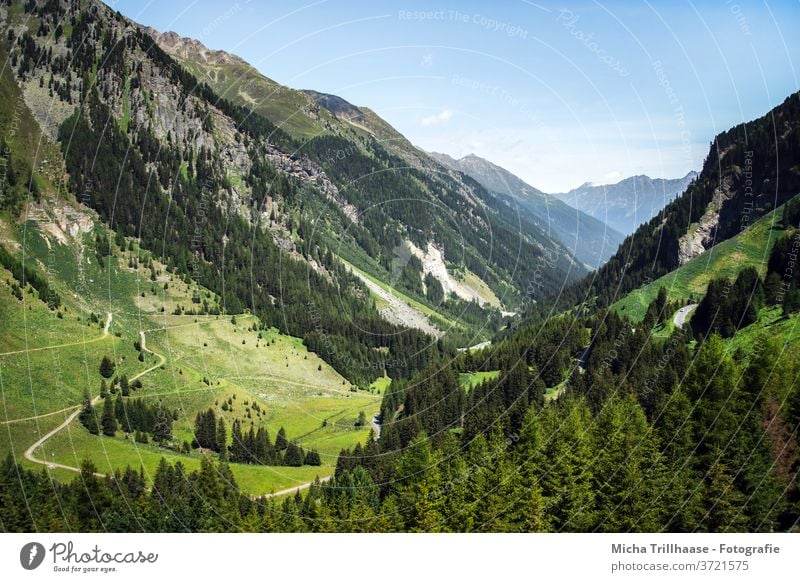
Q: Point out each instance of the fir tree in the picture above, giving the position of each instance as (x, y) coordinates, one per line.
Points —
(87, 416)
(107, 367)
(293, 456)
(281, 443)
(109, 422)
(222, 439)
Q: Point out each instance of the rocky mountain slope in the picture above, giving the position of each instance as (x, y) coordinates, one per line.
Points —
(380, 172)
(255, 188)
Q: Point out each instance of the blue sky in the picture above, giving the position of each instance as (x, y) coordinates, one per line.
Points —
(558, 93)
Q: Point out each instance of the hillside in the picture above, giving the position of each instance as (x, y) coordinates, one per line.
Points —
(222, 193)
(687, 283)
(393, 193)
(232, 306)
(589, 239)
(165, 331)
(628, 203)
(728, 196)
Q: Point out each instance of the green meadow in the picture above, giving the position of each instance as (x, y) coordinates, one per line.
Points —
(224, 362)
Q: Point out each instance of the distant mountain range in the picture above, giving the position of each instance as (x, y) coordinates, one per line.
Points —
(628, 203)
(590, 240)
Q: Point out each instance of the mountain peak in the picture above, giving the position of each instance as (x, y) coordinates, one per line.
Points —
(190, 48)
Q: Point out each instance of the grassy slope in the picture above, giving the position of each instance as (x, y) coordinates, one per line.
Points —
(294, 388)
(242, 84)
(771, 324)
(751, 247)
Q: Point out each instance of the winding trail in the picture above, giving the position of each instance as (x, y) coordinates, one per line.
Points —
(109, 318)
(53, 347)
(29, 453)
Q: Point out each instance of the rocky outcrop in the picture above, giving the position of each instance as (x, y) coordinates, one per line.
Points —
(190, 48)
(702, 234)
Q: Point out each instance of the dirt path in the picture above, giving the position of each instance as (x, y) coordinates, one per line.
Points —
(29, 453)
(683, 313)
(80, 343)
(294, 489)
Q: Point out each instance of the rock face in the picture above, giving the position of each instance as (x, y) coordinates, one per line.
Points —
(701, 235)
(432, 260)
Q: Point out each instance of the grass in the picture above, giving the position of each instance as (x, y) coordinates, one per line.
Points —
(483, 290)
(242, 84)
(209, 360)
(380, 385)
(771, 324)
(72, 446)
(751, 247)
(472, 379)
(554, 392)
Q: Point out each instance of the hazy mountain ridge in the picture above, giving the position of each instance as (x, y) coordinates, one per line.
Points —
(628, 203)
(589, 239)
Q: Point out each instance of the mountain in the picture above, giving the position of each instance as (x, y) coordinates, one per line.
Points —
(276, 202)
(750, 170)
(377, 170)
(628, 203)
(589, 239)
(202, 326)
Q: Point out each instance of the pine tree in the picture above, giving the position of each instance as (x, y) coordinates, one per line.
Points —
(106, 367)
(237, 454)
(293, 456)
(418, 487)
(281, 443)
(222, 439)
(568, 483)
(109, 422)
(162, 426)
(263, 447)
(87, 416)
(661, 305)
(791, 301)
(121, 416)
(773, 289)
(724, 503)
(527, 488)
(312, 458)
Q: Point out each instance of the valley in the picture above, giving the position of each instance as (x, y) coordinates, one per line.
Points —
(230, 305)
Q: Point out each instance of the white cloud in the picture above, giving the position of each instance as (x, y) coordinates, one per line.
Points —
(610, 178)
(442, 117)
